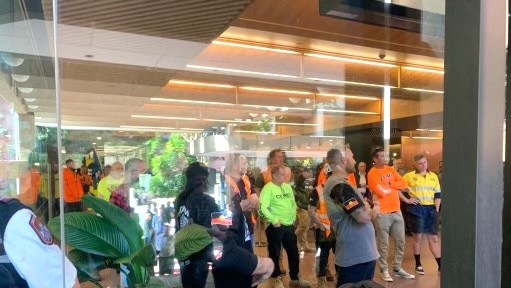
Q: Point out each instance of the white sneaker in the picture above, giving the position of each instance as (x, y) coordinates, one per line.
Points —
(385, 276)
(402, 273)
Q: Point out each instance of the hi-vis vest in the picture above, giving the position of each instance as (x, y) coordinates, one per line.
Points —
(321, 211)
(236, 189)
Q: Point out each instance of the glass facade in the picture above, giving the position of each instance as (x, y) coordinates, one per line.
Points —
(171, 82)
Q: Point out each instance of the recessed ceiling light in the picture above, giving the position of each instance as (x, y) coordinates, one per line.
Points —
(29, 99)
(20, 78)
(254, 47)
(25, 89)
(33, 106)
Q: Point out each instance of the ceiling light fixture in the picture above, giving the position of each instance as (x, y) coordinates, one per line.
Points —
(159, 128)
(191, 101)
(20, 78)
(30, 100)
(12, 61)
(239, 71)
(274, 108)
(420, 69)
(276, 90)
(352, 60)
(25, 90)
(425, 90)
(32, 106)
(348, 96)
(348, 82)
(183, 82)
(218, 42)
(424, 137)
(163, 117)
(348, 111)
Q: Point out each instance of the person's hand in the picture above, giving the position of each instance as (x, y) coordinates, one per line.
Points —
(413, 201)
(277, 225)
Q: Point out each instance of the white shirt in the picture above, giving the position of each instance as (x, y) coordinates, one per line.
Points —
(39, 263)
(362, 182)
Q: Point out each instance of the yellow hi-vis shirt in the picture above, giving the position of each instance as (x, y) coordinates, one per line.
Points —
(423, 187)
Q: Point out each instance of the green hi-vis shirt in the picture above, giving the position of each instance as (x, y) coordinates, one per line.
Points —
(278, 204)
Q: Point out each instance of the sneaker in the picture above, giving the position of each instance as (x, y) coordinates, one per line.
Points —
(402, 273)
(277, 283)
(322, 282)
(385, 276)
(299, 284)
(419, 270)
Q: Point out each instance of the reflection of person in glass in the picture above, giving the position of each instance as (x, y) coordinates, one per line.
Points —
(73, 190)
(29, 188)
(108, 183)
(28, 257)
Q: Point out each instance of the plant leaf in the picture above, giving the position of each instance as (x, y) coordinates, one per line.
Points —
(91, 233)
(115, 215)
(88, 265)
(144, 257)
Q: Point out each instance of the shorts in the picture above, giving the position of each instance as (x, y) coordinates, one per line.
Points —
(423, 219)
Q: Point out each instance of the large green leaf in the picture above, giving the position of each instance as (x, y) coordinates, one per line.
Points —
(88, 265)
(115, 215)
(91, 233)
(144, 257)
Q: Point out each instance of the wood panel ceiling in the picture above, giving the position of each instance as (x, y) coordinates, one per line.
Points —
(107, 94)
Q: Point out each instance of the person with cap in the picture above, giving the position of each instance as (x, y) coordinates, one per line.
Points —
(193, 206)
(23, 235)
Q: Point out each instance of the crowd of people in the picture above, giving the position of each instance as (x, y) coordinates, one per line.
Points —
(353, 211)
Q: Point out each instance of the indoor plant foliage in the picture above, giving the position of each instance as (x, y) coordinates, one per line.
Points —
(105, 240)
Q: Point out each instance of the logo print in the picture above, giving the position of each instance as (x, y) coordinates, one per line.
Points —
(41, 230)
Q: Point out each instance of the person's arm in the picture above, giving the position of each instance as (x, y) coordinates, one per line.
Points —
(29, 245)
(264, 201)
(353, 204)
(438, 195)
(313, 203)
(399, 183)
(376, 186)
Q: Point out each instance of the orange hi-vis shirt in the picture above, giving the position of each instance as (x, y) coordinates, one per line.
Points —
(73, 190)
(352, 180)
(385, 183)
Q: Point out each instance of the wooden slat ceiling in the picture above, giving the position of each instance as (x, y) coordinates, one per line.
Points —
(193, 20)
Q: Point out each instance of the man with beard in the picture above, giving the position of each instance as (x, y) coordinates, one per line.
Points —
(350, 217)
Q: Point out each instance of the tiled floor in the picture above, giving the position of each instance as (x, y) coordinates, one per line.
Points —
(308, 265)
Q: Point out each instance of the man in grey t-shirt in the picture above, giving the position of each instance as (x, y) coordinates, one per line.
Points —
(350, 217)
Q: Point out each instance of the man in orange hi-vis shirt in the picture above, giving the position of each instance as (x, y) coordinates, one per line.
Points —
(386, 184)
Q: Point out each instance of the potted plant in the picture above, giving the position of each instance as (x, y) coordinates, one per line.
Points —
(105, 239)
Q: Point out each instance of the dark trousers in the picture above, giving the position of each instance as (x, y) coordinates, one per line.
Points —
(73, 206)
(355, 273)
(194, 273)
(283, 236)
(325, 247)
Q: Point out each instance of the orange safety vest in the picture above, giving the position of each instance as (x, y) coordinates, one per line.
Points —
(236, 189)
(321, 211)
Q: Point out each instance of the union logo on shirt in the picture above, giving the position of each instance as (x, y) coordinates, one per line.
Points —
(41, 230)
(352, 202)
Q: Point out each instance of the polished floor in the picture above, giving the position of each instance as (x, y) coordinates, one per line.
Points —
(431, 279)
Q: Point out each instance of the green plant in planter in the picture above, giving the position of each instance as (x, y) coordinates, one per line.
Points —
(105, 240)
